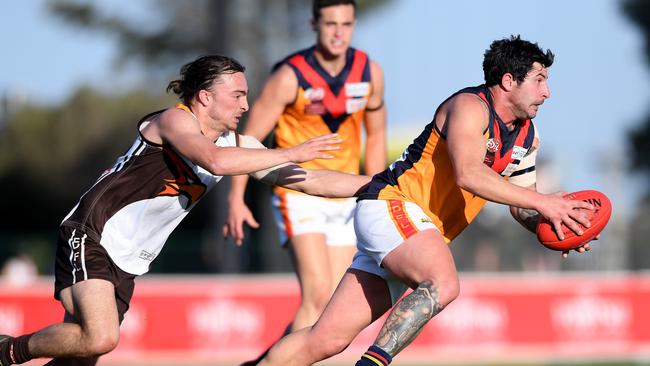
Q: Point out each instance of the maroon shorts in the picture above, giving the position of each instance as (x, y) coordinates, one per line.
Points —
(79, 258)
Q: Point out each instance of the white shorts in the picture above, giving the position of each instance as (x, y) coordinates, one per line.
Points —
(298, 214)
(381, 226)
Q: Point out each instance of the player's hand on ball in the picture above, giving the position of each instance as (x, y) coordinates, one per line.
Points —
(586, 220)
(581, 249)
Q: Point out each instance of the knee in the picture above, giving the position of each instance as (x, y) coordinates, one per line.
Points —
(102, 344)
(324, 348)
(443, 291)
(449, 291)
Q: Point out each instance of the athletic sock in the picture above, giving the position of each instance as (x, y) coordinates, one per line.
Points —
(5, 347)
(19, 350)
(374, 356)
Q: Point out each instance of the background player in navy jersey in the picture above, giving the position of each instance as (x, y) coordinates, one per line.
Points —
(480, 146)
(329, 87)
(120, 225)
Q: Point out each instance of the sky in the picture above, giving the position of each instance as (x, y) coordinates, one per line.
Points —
(428, 50)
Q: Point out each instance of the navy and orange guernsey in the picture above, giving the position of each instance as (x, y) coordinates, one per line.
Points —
(327, 104)
(424, 173)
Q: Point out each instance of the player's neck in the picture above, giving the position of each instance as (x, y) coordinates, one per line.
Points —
(333, 64)
(502, 106)
(209, 127)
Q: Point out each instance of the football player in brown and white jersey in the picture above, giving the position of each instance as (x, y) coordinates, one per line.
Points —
(120, 225)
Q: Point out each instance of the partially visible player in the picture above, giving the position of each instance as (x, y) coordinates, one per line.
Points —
(481, 145)
(329, 87)
(120, 225)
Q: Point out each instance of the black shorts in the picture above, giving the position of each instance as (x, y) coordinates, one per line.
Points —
(79, 258)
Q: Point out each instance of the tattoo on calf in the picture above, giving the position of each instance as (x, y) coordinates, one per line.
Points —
(408, 318)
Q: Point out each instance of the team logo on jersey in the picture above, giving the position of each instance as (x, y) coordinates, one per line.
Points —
(147, 256)
(185, 182)
(354, 105)
(518, 152)
(315, 108)
(357, 89)
(315, 94)
(492, 145)
(77, 245)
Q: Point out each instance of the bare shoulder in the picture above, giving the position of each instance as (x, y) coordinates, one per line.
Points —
(284, 72)
(280, 89)
(467, 100)
(177, 118)
(467, 105)
(171, 114)
(284, 77)
(150, 129)
(376, 70)
(174, 123)
(464, 107)
(377, 78)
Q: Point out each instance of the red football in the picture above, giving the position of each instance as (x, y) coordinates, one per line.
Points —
(599, 217)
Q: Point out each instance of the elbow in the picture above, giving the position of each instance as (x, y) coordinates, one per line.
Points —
(469, 182)
(212, 164)
(217, 169)
(469, 177)
(464, 181)
(222, 168)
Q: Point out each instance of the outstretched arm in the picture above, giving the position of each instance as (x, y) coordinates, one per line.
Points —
(182, 130)
(324, 183)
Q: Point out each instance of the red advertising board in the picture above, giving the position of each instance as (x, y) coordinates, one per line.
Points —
(496, 318)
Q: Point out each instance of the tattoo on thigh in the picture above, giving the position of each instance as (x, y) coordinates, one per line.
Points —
(408, 318)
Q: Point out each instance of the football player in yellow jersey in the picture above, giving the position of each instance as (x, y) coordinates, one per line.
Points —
(479, 146)
(329, 87)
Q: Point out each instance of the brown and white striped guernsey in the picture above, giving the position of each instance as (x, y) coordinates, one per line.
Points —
(134, 206)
